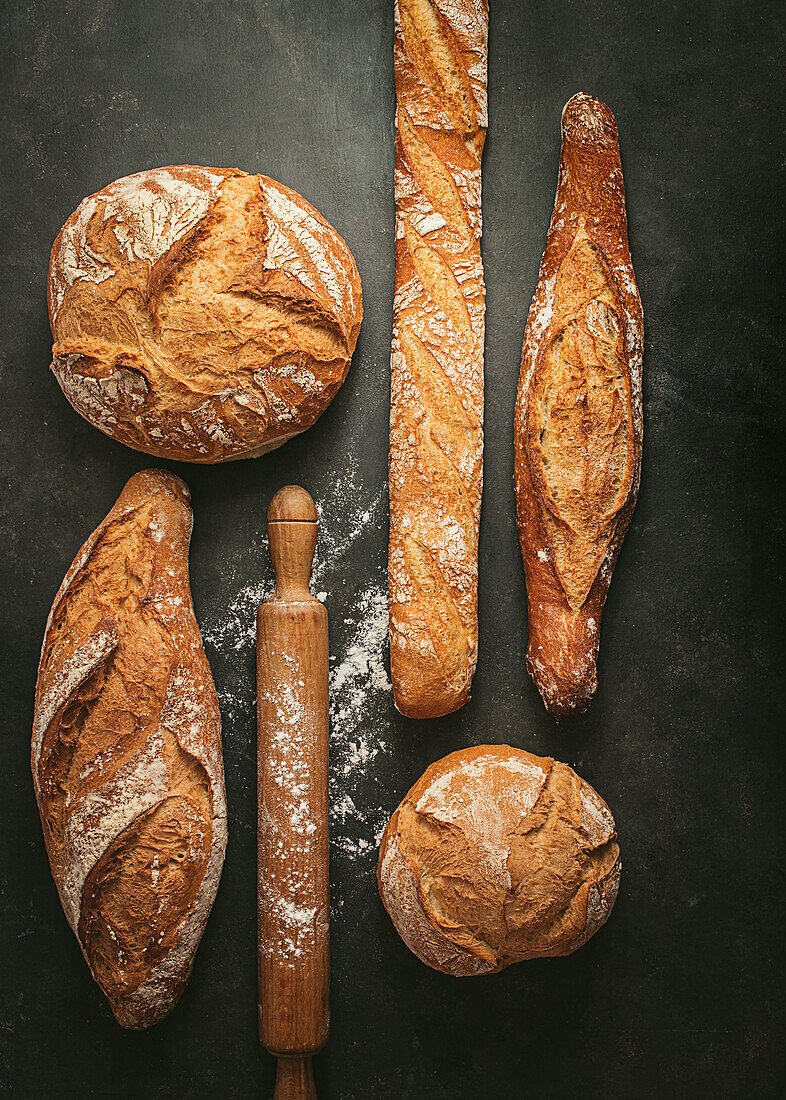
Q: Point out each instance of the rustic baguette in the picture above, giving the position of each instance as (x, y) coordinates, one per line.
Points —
(126, 752)
(578, 421)
(436, 417)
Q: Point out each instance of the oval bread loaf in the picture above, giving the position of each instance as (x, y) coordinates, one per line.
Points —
(496, 856)
(201, 314)
(126, 752)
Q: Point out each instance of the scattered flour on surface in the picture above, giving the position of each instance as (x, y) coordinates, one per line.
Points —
(339, 528)
(237, 628)
(332, 547)
(360, 689)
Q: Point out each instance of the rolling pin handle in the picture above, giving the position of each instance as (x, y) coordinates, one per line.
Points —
(292, 534)
(294, 1078)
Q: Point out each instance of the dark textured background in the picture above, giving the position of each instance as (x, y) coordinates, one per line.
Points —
(681, 993)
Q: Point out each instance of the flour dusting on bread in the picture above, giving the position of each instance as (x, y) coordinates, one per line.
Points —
(496, 856)
(578, 422)
(436, 421)
(148, 213)
(201, 314)
(126, 752)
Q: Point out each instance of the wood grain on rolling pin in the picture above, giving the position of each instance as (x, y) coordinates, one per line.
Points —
(292, 686)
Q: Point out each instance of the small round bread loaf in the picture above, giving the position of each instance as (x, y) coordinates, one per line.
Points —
(495, 856)
(201, 314)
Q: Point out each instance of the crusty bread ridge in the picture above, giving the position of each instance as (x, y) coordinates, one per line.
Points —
(201, 314)
(126, 752)
(436, 417)
(496, 856)
(578, 423)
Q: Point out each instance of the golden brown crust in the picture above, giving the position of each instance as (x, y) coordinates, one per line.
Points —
(126, 752)
(436, 418)
(496, 856)
(578, 423)
(201, 314)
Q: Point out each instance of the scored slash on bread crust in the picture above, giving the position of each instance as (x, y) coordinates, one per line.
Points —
(436, 418)
(201, 314)
(578, 423)
(126, 752)
(496, 856)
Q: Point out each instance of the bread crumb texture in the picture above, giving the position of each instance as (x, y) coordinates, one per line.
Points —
(126, 752)
(201, 314)
(496, 856)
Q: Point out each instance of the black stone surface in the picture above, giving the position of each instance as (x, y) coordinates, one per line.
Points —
(681, 994)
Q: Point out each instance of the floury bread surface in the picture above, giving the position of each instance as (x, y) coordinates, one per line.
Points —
(496, 856)
(126, 752)
(578, 421)
(436, 418)
(201, 314)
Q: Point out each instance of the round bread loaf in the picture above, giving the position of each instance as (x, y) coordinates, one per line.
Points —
(495, 856)
(201, 314)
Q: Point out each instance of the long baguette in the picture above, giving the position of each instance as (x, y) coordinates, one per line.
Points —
(578, 422)
(436, 418)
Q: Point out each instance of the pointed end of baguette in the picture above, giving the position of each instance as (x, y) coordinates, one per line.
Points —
(587, 119)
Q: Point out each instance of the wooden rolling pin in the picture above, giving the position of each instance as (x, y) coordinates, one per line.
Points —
(292, 802)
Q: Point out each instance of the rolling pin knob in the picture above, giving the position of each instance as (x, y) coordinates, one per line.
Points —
(292, 505)
(292, 535)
